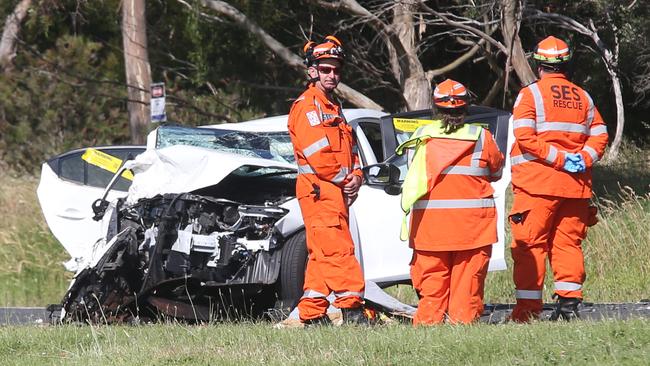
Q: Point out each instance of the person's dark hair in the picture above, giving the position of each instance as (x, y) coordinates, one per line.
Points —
(452, 118)
(562, 68)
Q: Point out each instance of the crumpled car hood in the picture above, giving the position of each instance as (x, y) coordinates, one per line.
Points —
(178, 169)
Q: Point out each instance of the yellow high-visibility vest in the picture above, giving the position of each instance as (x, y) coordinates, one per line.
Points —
(416, 183)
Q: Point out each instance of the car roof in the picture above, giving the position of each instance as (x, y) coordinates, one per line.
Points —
(279, 123)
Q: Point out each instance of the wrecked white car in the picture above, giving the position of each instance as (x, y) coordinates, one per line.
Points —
(203, 222)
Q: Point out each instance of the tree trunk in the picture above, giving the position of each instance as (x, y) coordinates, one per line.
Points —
(10, 35)
(136, 64)
(510, 31)
(416, 88)
(611, 63)
(612, 154)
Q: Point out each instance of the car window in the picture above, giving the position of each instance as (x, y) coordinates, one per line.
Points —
(73, 167)
(267, 145)
(372, 130)
(99, 177)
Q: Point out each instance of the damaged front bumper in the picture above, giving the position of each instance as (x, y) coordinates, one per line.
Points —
(184, 255)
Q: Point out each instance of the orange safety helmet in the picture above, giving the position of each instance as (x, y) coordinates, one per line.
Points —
(450, 94)
(552, 51)
(331, 48)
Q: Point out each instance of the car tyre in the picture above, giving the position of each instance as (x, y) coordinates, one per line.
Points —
(292, 272)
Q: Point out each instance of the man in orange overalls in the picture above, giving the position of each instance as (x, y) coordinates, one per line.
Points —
(453, 223)
(328, 181)
(559, 136)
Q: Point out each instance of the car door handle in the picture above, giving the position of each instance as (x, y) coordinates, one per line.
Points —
(73, 214)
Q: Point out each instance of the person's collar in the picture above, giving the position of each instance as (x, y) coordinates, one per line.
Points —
(548, 75)
(314, 89)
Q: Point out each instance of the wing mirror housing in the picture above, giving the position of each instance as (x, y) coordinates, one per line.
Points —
(385, 175)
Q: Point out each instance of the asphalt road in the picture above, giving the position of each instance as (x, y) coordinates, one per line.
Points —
(493, 314)
(498, 313)
(24, 316)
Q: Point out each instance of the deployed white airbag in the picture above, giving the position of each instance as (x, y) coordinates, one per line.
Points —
(178, 169)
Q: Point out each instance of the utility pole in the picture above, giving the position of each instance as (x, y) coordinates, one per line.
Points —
(136, 65)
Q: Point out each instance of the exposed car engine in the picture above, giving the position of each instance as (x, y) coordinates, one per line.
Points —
(188, 256)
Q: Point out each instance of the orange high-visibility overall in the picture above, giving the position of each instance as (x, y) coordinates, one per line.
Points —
(550, 211)
(453, 227)
(326, 153)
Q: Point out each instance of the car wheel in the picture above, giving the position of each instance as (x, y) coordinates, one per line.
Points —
(292, 272)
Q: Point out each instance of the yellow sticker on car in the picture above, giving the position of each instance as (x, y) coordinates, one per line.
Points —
(410, 125)
(105, 161)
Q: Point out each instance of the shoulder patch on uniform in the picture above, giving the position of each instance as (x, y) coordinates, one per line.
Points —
(313, 119)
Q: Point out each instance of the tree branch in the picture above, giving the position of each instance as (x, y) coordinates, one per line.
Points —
(494, 91)
(204, 15)
(291, 59)
(396, 51)
(10, 34)
(511, 20)
(457, 62)
(459, 25)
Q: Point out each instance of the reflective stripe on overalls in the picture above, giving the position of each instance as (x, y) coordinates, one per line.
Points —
(416, 183)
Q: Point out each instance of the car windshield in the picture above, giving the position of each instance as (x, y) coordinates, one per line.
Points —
(267, 145)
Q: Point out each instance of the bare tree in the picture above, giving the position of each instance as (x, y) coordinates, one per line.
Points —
(10, 34)
(290, 58)
(399, 37)
(404, 43)
(136, 63)
(416, 88)
(511, 21)
(398, 24)
(610, 60)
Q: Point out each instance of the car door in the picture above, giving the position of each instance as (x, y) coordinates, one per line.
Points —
(70, 183)
(377, 216)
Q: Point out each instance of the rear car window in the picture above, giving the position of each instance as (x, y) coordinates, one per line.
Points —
(72, 167)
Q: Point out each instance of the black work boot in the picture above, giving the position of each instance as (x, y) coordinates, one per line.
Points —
(323, 321)
(566, 308)
(355, 316)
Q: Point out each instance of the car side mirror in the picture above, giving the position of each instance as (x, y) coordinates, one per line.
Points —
(384, 174)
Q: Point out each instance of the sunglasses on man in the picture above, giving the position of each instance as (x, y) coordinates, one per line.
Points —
(326, 70)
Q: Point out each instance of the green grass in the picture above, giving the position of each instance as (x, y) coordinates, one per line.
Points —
(578, 343)
(30, 258)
